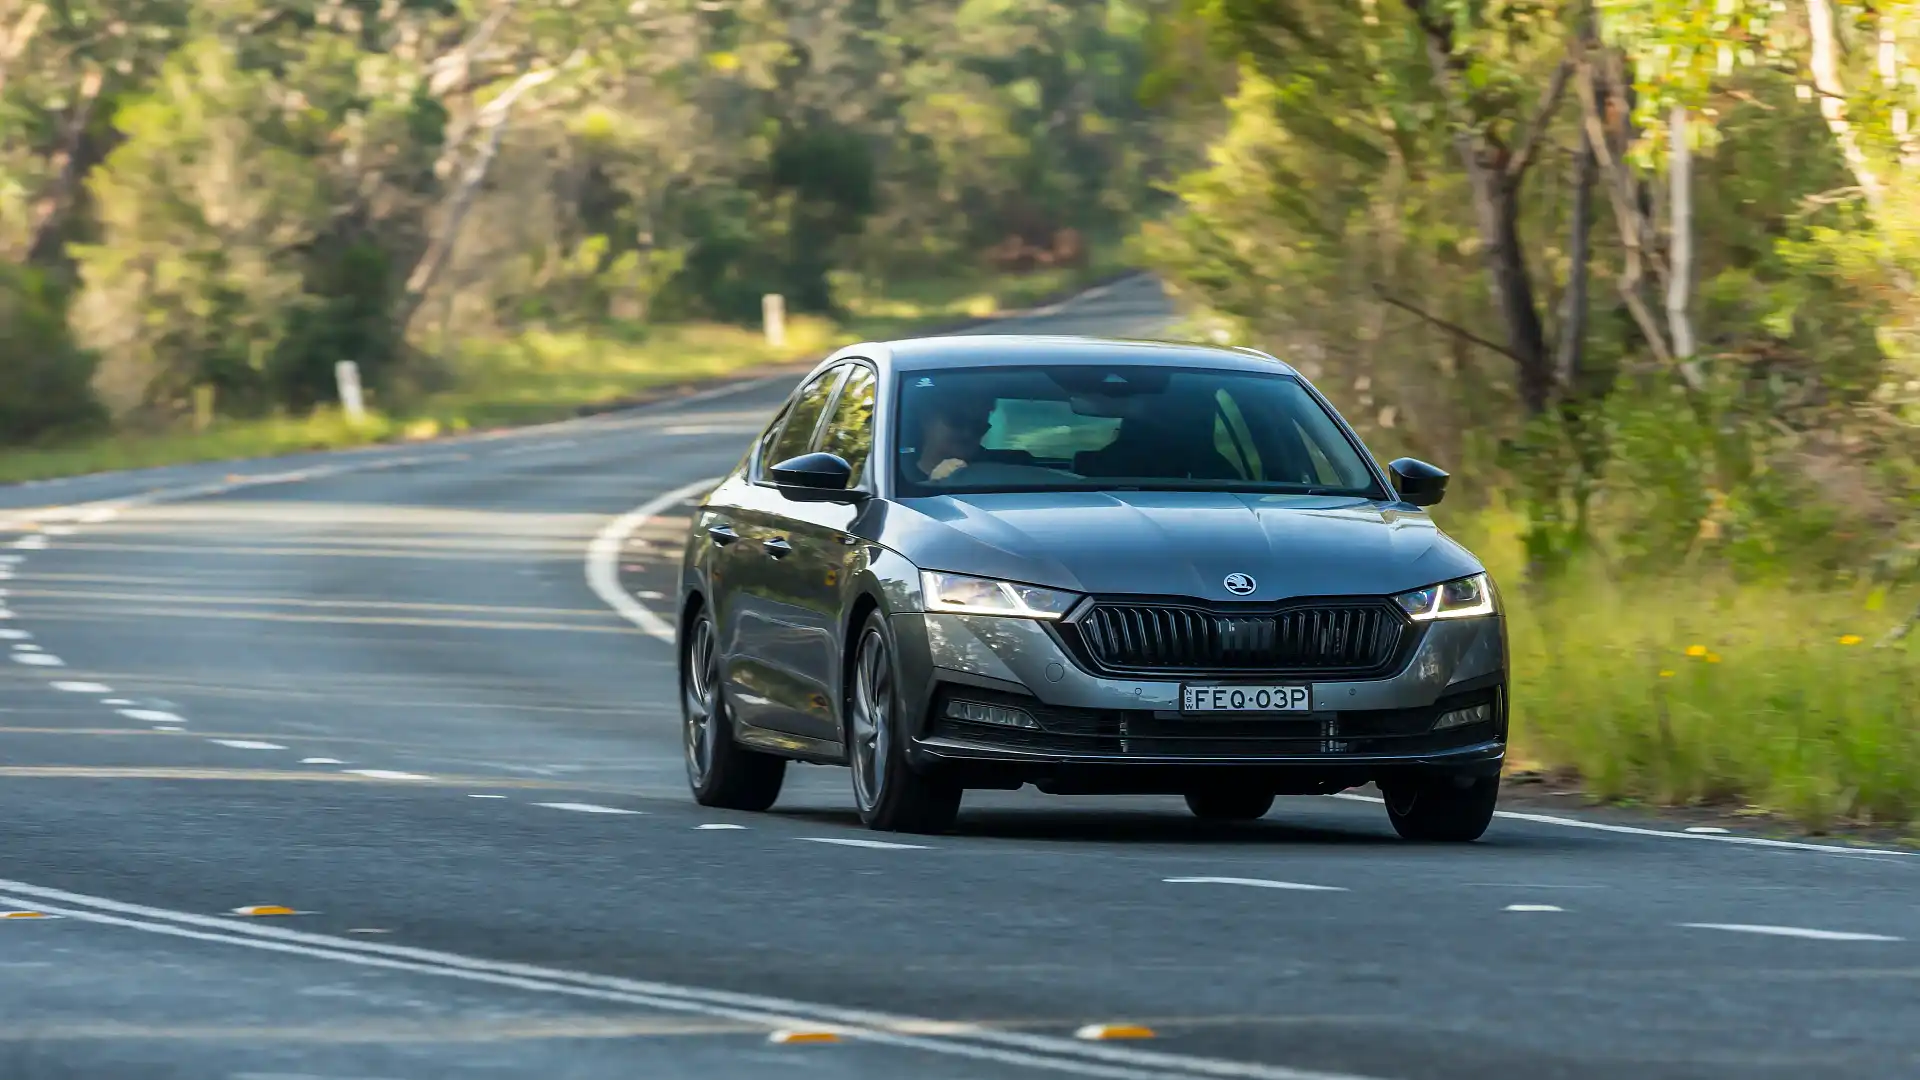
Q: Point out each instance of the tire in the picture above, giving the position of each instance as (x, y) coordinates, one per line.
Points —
(1442, 811)
(720, 771)
(1230, 804)
(890, 795)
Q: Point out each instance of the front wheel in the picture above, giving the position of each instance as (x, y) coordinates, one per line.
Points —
(1441, 809)
(890, 794)
(1229, 804)
(721, 772)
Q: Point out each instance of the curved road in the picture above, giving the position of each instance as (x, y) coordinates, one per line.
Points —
(411, 694)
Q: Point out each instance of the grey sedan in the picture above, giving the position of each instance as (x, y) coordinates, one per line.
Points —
(1093, 566)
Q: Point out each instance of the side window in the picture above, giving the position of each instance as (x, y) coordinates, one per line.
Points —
(763, 447)
(850, 431)
(796, 435)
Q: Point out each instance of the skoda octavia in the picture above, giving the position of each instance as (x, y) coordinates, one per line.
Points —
(1096, 567)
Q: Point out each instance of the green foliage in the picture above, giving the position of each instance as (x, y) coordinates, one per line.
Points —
(45, 389)
(244, 192)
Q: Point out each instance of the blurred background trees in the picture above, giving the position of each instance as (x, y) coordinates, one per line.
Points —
(1642, 269)
(1646, 266)
(237, 193)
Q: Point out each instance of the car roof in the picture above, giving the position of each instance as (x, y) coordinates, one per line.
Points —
(1008, 350)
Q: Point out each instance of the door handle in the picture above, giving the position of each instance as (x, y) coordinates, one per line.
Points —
(777, 547)
(722, 535)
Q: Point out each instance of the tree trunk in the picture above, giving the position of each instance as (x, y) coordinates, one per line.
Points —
(14, 39)
(1680, 246)
(1496, 207)
(440, 251)
(1825, 63)
(69, 165)
(1570, 352)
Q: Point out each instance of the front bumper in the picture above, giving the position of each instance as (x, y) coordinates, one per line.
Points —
(1099, 734)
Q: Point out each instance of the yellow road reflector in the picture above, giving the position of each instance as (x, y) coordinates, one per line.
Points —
(1097, 1032)
(786, 1035)
(264, 909)
(26, 915)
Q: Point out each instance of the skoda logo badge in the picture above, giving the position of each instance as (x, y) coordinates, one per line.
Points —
(1239, 584)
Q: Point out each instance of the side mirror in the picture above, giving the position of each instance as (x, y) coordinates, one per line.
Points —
(816, 478)
(1418, 482)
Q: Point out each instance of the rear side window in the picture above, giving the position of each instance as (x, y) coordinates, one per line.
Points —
(850, 431)
(796, 435)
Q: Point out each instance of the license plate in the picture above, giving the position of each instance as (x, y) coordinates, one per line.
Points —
(1208, 699)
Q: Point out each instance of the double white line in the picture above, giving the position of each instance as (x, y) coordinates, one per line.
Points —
(1045, 1052)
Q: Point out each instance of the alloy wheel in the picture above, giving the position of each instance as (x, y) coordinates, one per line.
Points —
(701, 700)
(871, 715)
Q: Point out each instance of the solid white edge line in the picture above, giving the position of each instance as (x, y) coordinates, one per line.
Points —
(588, 808)
(855, 842)
(1255, 883)
(603, 558)
(1038, 1051)
(1670, 834)
(1789, 931)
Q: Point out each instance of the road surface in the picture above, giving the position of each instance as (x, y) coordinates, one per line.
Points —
(411, 694)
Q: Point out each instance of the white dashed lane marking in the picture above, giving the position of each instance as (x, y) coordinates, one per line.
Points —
(83, 687)
(846, 841)
(718, 826)
(1790, 931)
(1254, 883)
(31, 542)
(387, 774)
(153, 716)
(1534, 907)
(321, 761)
(246, 744)
(39, 659)
(7, 633)
(587, 808)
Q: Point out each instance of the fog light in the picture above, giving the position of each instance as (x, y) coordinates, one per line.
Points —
(1472, 714)
(975, 713)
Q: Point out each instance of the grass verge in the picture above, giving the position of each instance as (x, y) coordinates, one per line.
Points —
(547, 375)
(1755, 698)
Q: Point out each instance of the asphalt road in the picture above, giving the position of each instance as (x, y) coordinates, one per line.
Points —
(381, 690)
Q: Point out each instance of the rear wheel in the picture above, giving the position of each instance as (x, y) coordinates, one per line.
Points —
(1442, 809)
(721, 772)
(1229, 804)
(890, 794)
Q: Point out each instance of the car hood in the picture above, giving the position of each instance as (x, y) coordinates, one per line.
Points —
(1181, 543)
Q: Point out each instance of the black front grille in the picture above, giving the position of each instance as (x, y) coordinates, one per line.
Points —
(1345, 639)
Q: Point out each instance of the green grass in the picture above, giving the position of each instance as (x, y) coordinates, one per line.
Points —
(545, 375)
(1695, 691)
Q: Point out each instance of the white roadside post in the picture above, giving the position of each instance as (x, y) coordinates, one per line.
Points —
(773, 316)
(347, 374)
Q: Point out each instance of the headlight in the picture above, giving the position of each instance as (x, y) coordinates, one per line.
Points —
(963, 595)
(1460, 598)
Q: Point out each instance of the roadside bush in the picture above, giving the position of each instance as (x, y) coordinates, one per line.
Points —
(45, 388)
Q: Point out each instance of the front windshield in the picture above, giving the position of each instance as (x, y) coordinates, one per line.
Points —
(1122, 427)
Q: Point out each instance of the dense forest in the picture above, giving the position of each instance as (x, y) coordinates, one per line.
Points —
(233, 194)
(1642, 271)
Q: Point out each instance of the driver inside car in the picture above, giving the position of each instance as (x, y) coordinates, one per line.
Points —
(950, 432)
